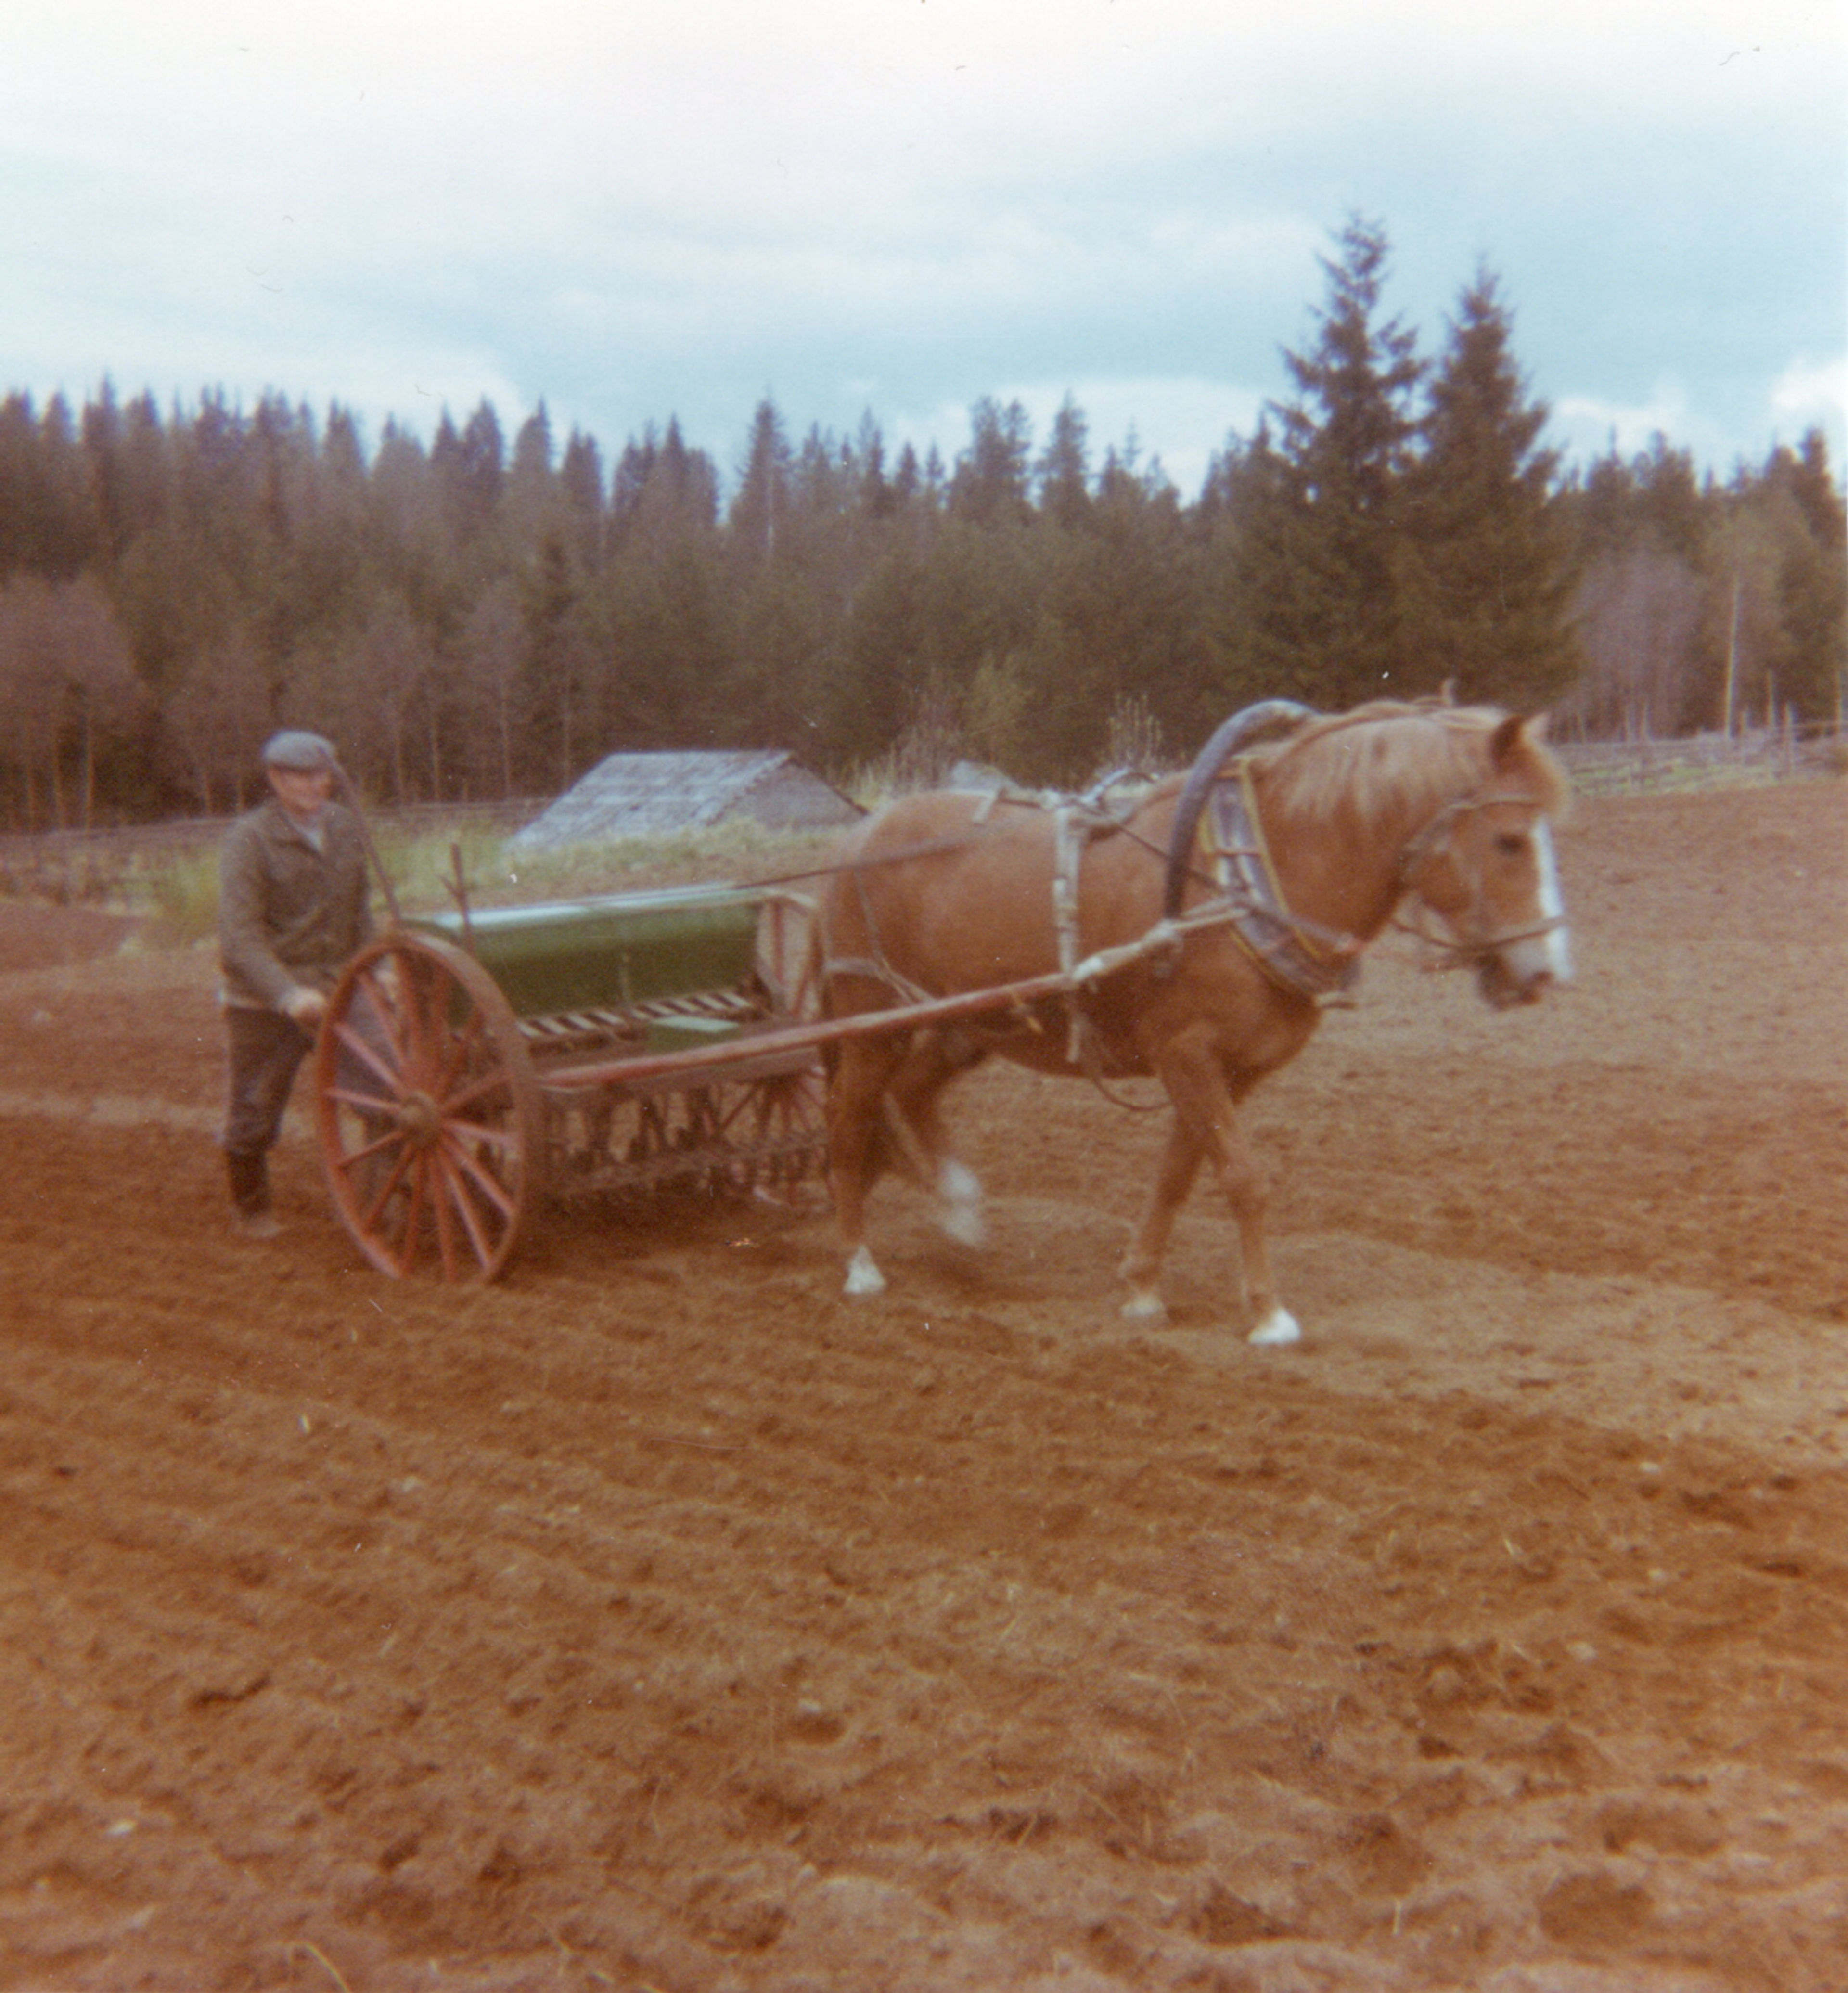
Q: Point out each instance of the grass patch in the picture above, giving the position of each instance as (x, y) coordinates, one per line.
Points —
(737, 853)
(182, 894)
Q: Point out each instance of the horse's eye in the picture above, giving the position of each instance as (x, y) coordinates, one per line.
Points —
(1510, 843)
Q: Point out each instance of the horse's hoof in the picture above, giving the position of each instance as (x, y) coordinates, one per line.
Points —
(964, 1223)
(1145, 1308)
(959, 1212)
(1277, 1328)
(864, 1276)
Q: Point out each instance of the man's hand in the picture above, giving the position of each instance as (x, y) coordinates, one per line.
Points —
(304, 1006)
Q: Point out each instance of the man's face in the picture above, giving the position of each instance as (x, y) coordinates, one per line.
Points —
(301, 791)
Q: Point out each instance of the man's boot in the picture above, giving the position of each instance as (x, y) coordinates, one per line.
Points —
(251, 1216)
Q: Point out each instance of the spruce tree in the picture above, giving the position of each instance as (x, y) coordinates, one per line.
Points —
(990, 487)
(1485, 579)
(760, 509)
(1813, 582)
(1318, 548)
(1064, 470)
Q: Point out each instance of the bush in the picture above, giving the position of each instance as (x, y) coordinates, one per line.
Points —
(184, 894)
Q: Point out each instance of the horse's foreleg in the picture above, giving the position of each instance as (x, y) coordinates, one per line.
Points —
(1204, 1105)
(1142, 1266)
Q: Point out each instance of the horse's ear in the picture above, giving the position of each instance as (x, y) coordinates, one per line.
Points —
(1509, 734)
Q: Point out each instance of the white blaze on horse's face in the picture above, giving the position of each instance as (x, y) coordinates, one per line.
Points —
(1552, 904)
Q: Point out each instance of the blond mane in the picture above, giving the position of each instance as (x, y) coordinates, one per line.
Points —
(1393, 757)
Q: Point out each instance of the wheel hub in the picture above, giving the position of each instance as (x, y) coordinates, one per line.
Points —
(419, 1120)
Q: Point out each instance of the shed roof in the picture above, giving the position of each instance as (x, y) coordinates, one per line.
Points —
(654, 794)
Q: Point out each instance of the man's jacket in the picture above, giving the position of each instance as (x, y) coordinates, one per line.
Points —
(289, 914)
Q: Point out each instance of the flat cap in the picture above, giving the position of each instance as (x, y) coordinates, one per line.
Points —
(294, 749)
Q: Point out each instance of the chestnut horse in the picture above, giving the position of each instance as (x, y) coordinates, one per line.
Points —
(1446, 807)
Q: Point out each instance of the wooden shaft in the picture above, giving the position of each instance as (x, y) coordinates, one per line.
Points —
(874, 1023)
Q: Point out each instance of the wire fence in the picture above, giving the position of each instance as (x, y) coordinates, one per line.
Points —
(1704, 761)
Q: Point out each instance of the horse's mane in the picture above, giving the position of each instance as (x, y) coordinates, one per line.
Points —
(1392, 755)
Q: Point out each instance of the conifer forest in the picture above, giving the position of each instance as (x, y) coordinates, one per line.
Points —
(483, 616)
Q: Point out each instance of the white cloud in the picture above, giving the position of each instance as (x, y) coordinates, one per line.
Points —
(1807, 393)
(1591, 426)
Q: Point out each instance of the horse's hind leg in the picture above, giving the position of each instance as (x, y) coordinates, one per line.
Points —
(1207, 1119)
(856, 1142)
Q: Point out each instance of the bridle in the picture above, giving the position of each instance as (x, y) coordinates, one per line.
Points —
(1475, 941)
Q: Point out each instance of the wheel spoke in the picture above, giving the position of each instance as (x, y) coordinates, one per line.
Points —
(462, 1043)
(471, 1218)
(367, 1150)
(445, 1217)
(460, 1157)
(394, 1177)
(368, 1104)
(417, 986)
(504, 1138)
(354, 1042)
(406, 1253)
(479, 1089)
(382, 1002)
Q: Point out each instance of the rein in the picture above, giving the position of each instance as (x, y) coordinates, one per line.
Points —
(930, 847)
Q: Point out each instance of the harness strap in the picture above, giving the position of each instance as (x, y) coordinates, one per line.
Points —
(1071, 832)
(877, 972)
(1076, 820)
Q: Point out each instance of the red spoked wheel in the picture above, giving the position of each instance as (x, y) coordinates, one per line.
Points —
(432, 1128)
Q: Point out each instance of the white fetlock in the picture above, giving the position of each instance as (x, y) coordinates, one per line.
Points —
(1279, 1326)
(1144, 1305)
(960, 1214)
(863, 1275)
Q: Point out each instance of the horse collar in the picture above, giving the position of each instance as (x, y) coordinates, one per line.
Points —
(1297, 954)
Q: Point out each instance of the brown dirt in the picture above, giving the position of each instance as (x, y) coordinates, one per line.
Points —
(657, 1619)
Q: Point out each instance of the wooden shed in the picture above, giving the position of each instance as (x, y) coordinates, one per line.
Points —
(654, 795)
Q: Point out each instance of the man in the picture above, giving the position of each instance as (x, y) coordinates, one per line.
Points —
(293, 906)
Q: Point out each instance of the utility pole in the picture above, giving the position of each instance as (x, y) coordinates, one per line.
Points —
(1732, 661)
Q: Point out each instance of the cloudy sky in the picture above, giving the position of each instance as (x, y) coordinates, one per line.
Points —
(639, 208)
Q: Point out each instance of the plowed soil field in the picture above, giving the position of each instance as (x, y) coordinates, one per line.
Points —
(659, 1619)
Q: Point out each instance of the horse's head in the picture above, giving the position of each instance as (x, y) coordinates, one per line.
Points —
(1484, 868)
